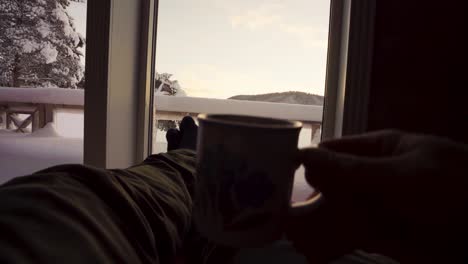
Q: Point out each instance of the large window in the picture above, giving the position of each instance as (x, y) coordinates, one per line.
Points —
(268, 51)
(263, 58)
(42, 58)
(270, 56)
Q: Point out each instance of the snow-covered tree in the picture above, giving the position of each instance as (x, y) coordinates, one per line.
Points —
(39, 45)
(163, 85)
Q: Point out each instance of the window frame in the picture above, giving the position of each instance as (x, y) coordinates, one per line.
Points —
(118, 98)
(119, 71)
(349, 67)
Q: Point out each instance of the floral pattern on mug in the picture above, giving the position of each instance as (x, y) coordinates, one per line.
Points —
(236, 191)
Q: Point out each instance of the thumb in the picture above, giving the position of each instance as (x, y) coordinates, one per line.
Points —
(373, 144)
(332, 172)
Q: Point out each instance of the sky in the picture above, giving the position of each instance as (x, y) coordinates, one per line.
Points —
(222, 48)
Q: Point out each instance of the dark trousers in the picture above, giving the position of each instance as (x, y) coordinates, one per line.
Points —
(79, 214)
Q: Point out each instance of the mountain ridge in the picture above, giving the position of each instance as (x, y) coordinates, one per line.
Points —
(291, 97)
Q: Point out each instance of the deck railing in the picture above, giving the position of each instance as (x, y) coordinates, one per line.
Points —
(174, 108)
(38, 104)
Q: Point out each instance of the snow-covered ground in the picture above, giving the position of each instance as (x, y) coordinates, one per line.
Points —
(22, 154)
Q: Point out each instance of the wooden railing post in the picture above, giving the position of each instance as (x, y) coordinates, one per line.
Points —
(49, 114)
(35, 120)
(3, 116)
(8, 121)
(41, 114)
(315, 128)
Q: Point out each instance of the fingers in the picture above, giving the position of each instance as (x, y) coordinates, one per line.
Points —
(344, 221)
(334, 172)
(375, 144)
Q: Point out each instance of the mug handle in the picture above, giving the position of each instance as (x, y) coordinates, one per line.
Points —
(305, 207)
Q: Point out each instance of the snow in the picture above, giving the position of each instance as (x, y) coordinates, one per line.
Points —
(22, 154)
(47, 131)
(38, 10)
(29, 46)
(73, 80)
(179, 92)
(42, 95)
(69, 123)
(44, 29)
(50, 53)
(65, 71)
(70, 52)
(60, 14)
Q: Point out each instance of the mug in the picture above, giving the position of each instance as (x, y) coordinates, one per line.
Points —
(245, 175)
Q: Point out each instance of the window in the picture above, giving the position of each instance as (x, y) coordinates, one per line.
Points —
(242, 50)
(121, 44)
(119, 75)
(42, 58)
(242, 57)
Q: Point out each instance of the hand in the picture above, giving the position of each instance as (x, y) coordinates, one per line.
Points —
(401, 195)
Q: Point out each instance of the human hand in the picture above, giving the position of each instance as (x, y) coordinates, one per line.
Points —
(396, 194)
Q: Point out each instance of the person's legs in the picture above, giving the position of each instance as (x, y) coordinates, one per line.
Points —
(70, 214)
(183, 138)
(79, 214)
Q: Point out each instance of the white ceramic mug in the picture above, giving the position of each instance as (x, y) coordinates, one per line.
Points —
(245, 175)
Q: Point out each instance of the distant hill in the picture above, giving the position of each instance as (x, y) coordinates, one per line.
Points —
(286, 97)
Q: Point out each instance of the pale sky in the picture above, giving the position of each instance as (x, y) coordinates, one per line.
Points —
(222, 48)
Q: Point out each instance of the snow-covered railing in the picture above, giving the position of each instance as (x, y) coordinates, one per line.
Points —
(168, 106)
(174, 108)
(56, 96)
(38, 104)
(41, 102)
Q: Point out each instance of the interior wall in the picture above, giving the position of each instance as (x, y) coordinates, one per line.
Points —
(419, 77)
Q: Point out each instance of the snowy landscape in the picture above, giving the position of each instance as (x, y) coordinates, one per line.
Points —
(59, 53)
(47, 54)
(22, 154)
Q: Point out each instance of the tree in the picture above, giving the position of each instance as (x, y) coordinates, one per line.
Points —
(165, 86)
(39, 45)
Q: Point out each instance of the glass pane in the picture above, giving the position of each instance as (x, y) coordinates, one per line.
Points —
(42, 58)
(226, 56)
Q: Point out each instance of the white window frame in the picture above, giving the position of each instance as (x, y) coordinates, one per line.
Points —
(118, 81)
(120, 70)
